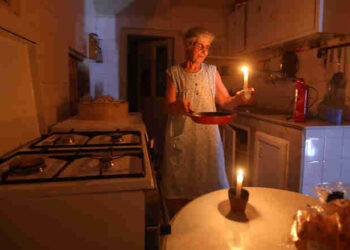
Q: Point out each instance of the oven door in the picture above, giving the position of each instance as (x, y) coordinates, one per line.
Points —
(157, 217)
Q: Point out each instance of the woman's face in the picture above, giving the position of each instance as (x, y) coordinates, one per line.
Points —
(199, 50)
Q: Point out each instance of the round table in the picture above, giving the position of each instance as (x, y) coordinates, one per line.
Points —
(208, 223)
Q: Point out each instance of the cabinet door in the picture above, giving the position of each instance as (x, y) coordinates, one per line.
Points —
(229, 145)
(270, 161)
(236, 30)
(271, 22)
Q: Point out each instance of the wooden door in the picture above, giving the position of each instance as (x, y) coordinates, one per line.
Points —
(154, 57)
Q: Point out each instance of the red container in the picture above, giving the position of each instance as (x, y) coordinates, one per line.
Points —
(301, 98)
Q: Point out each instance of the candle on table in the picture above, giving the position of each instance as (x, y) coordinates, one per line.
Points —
(245, 74)
(239, 183)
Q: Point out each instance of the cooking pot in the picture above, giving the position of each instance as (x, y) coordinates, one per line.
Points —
(211, 117)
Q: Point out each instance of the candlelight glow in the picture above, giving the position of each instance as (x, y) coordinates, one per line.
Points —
(239, 183)
(245, 69)
(245, 74)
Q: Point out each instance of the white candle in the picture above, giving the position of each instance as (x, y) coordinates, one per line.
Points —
(239, 183)
(245, 74)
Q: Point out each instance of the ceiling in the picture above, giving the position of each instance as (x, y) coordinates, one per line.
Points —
(110, 7)
(114, 7)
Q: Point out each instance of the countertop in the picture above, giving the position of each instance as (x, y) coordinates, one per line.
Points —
(132, 121)
(281, 119)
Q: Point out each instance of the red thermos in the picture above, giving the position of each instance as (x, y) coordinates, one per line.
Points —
(300, 104)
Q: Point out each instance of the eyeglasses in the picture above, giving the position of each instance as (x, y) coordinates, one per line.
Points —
(201, 46)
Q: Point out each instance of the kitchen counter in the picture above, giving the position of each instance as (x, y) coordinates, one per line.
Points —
(281, 119)
(133, 121)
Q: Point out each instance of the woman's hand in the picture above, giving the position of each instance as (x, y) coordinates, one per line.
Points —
(182, 106)
(243, 99)
(227, 102)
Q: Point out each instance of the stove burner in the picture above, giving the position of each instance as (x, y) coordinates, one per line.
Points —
(26, 166)
(65, 140)
(117, 138)
(107, 162)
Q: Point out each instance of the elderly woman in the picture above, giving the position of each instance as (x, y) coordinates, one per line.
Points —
(194, 160)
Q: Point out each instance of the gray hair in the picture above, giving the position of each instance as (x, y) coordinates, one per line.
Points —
(195, 33)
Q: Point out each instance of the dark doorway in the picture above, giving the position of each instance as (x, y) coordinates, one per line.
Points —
(148, 59)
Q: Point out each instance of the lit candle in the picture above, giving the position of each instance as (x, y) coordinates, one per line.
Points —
(239, 183)
(245, 74)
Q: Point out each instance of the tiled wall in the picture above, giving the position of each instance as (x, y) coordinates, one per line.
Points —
(326, 156)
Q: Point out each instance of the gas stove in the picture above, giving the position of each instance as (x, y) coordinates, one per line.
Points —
(88, 139)
(68, 165)
(77, 155)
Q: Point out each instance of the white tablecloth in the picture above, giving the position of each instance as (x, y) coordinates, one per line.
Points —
(208, 223)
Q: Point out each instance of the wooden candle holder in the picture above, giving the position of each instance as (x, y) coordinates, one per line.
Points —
(238, 204)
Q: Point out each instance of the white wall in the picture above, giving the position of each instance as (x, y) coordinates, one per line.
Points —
(110, 76)
(55, 25)
(104, 76)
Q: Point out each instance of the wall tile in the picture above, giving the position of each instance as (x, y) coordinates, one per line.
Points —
(333, 148)
(334, 132)
(332, 170)
(346, 148)
(312, 172)
(312, 132)
(314, 149)
(307, 189)
(345, 174)
(312, 175)
(346, 132)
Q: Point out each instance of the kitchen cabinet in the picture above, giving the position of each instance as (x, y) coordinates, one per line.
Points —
(236, 30)
(270, 161)
(273, 22)
(293, 155)
(236, 144)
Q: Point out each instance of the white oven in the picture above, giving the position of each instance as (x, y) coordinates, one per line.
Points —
(85, 189)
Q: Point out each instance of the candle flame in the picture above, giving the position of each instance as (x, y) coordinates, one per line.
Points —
(244, 69)
(240, 172)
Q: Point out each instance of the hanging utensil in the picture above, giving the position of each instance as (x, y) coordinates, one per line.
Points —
(339, 58)
(338, 78)
(331, 55)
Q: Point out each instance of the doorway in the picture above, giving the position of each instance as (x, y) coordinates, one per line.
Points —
(148, 59)
(78, 80)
